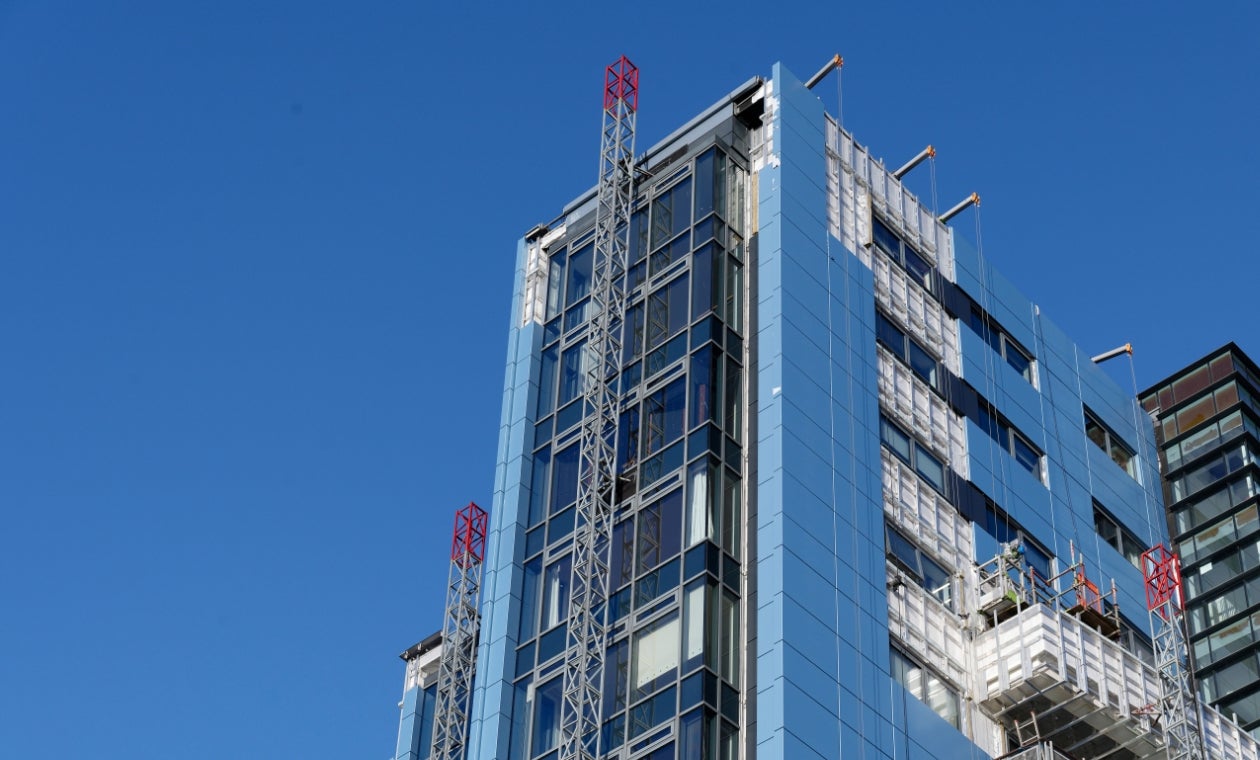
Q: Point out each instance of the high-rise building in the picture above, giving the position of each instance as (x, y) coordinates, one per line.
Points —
(1209, 446)
(859, 478)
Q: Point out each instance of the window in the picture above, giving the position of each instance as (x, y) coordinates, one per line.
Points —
(671, 213)
(912, 453)
(1105, 439)
(1215, 537)
(1119, 537)
(1015, 443)
(546, 716)
(667, 311)
(1208, 472)
(925, 685)
(998, 523)
(1002, 343)
(1206, 508)
(654, 656)
(660, 531)
(1205, 438)
(909, 259)
(909, 557)
(556, 591)
(906, 349)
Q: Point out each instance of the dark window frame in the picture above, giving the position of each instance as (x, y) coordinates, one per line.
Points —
(1110, 442)
(1019, 446)
(919, 565)
(1118, 536)
(906, 256)
(885, 327)
(915, 452)
(1015, 355)
(923, 672)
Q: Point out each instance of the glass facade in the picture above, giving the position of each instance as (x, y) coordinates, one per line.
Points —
(1209, 443)
(675, 577)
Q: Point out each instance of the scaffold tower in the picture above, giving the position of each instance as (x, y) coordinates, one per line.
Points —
(1162, 571)
(587, 631)
(459, 634)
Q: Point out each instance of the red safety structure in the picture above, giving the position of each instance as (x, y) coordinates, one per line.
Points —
(469, 543)
(1161, 570)
(621, 85)
(459, 634)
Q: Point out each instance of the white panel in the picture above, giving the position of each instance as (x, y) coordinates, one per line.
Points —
(655, 653)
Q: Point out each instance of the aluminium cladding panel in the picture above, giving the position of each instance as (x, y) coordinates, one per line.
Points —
(822, 649)
(491, 712)
(1060, 515)
(415, 728)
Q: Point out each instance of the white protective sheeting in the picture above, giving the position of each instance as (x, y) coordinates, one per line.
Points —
(857, 184)
(921, 512)
(907, 399)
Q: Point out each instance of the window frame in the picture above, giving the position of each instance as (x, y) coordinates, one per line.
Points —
(1121, 539)
(905, 352)
(1009, 438)
(992, 333)
(915, 451)
(929, 280)
(914, 665)
(915, 566)
(1111, 442)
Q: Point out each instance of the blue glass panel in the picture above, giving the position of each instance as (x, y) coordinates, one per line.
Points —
(531, 590)
(564, 479)
(525, 659)
(569, 416)
(579, 280)
(538, 485)
(549, 369)
(572, 380)
(560, 527)
(535, 540)
(922, 363)
(551, 331)
(889, 334)
(547, 700)
(704, 182)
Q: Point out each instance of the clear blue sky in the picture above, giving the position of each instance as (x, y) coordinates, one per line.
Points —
(255, 269)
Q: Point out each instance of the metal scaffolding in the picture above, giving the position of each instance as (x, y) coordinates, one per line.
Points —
(459, 635)
(1162, 571)
(580, 716)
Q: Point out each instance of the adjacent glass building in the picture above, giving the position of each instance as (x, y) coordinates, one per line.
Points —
(872, 503)
(1209, 441)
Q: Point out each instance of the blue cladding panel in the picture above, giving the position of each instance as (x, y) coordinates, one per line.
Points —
(822, 617)
(1060, 515)
(415, 729)
(491, 715)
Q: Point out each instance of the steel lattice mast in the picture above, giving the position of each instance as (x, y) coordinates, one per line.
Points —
(459, 635)
(1162, 571)
(581, 713)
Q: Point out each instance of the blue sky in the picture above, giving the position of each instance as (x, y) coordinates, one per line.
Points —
(255, 271)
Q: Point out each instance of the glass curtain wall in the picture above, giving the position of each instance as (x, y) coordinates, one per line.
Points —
(672, 670)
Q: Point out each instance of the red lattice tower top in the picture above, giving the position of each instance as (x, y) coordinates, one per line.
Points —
(1162, 571)
(468, 547)
(621, 83)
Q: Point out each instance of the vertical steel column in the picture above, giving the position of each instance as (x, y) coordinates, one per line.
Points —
(459, 635)
(1162, 571)
(581, 711)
